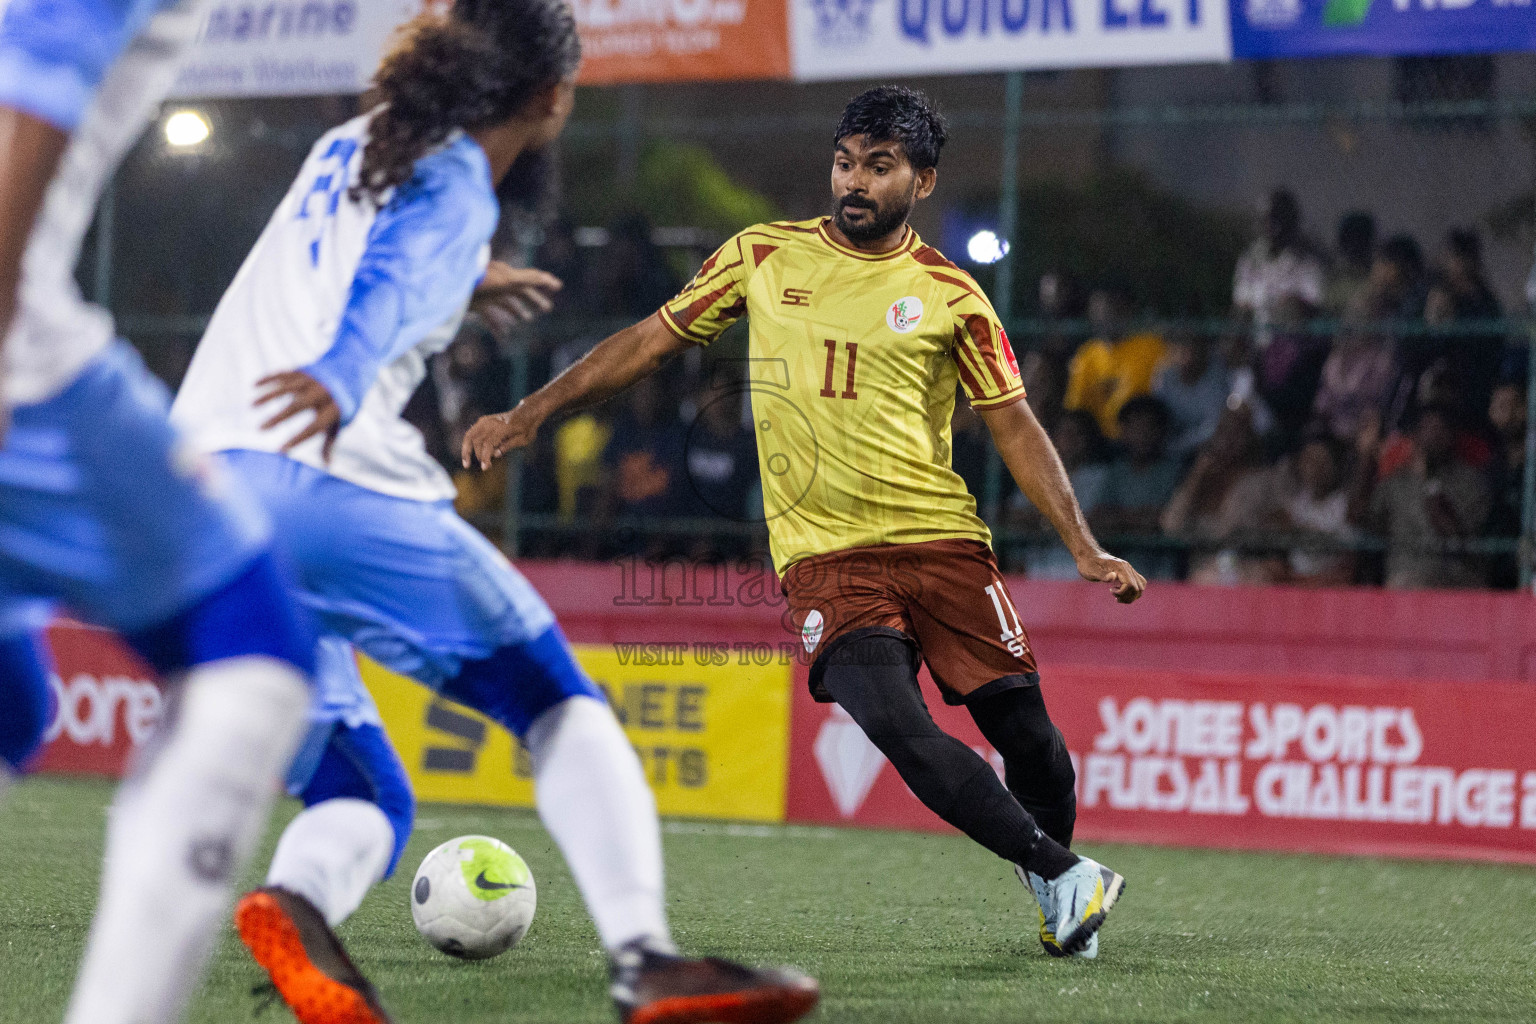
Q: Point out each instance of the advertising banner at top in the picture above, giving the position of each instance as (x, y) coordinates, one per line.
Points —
(312, 47)
(682, 40)
(290, 47)
(870, 38)
(1315, 28)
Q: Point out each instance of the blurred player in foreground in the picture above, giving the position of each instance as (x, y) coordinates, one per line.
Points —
(366, 269)
(103, 511)
(859, 332)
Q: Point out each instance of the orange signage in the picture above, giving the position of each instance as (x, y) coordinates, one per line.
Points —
(682, 40)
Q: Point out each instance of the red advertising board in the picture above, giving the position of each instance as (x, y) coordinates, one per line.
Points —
(1410, 768)
(106, 703)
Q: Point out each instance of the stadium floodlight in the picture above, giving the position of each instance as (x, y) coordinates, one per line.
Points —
(187, 128)
(986, 246)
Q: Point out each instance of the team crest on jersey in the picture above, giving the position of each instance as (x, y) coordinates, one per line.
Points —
(905, 314)
(810, 633)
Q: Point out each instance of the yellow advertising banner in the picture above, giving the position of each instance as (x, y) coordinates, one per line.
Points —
(711, 732)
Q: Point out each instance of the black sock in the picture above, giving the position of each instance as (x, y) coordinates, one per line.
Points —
(1049, 859)
(1038, 768)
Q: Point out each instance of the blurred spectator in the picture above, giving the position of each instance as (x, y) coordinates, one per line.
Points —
(721, 458)
(1061, 299)
(645, 455)
(1313, 500)
(1397, 275)
(1435, 498)
(1044, 375)
(631, 278)
(1438, 385)
(1116, 365)
(1278, 266)
(559, 254)
(1507, 414)
(1355, 243)
(1226, 494)
(1289, 371)
(969, 444)
(1139, 483)
(1358, 375)
(1459, 292)
(1193, 383)
(1082, 451)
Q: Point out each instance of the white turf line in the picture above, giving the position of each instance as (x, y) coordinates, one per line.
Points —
(452, 820)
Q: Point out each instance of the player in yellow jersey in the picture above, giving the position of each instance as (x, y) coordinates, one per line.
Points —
(859, 336)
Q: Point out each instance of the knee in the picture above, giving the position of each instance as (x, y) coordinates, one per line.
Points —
(27, 697)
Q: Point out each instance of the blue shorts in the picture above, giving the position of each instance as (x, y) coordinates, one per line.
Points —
(417, 589)
(104, 511)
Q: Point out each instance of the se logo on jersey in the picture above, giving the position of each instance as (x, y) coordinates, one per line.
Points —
(905, 314)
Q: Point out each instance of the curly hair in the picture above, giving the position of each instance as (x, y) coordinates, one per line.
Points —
(473, 68)
(894, 112)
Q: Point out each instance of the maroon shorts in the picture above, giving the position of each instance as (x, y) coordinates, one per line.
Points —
(946, 597)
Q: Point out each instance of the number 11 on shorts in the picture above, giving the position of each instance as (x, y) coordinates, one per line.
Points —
(1012, 635)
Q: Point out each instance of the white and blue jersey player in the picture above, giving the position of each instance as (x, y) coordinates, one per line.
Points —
(364, 271)
(104, 511)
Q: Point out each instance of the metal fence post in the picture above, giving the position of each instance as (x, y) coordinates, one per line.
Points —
(1007, 225)
(1528, 490)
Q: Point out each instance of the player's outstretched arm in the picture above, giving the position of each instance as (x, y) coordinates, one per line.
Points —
(613, 365)
(1032, 460)
(30, 151)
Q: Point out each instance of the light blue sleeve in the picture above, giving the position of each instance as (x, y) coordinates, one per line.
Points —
(54, 53)
(421, 265)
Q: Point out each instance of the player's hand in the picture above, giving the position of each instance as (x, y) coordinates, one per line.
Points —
(304, 393)
(1101, 567)
(508, 295)
(493, 436)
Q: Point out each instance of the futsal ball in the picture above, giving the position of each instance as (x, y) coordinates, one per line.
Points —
(473, 898)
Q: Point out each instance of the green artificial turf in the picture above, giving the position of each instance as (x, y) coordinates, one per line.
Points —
(897, 927)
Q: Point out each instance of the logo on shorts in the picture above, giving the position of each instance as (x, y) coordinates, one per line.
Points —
(905, 314)
(810, 633)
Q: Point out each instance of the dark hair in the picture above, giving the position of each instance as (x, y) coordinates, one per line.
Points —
(1464, 242)
(473, 68)
(1357, 229)
(1403, 251)
(897, 113)
(1146, 405)
(1447, 412)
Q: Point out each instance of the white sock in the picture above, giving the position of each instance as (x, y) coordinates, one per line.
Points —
(332, 854)
(594, 801)
(180, 832)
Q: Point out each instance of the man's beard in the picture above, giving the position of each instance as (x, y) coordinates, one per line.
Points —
(880, 224)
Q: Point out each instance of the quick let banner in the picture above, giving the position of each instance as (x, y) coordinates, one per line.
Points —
(1311, 28)
(1353, 766)
(873, 38)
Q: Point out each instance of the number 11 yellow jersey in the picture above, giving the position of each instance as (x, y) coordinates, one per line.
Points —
(852, 373)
